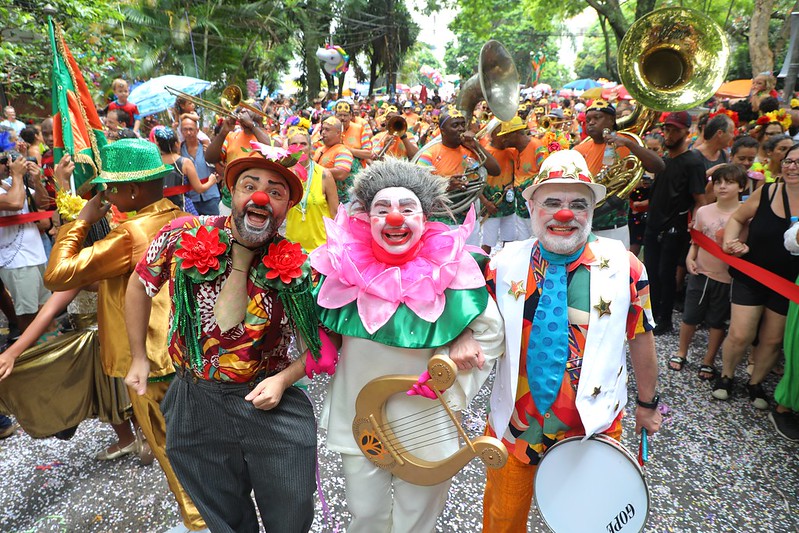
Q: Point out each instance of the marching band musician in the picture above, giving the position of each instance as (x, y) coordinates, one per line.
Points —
(603, 149)
(336, 157)
(526, 155)
(569, 300)
(399, 288)
(498, 198)
(402, 146)
(355, 134)
(456, 158)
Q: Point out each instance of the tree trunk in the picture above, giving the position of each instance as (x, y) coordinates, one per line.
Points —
(760, 55)
(372, 76)
(611, 10)
(643, 7)
(781, 43)
(603, 25)
(793, 72)
(313, 78)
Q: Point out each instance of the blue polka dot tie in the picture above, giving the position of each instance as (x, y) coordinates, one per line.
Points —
(548, 346)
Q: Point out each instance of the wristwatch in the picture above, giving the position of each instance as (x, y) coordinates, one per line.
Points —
(648, 405)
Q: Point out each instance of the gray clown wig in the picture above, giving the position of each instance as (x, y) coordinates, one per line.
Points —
(430, 189)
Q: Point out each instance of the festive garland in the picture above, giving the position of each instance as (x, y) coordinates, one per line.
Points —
(779, 116)
(732, 114)
(203, 255)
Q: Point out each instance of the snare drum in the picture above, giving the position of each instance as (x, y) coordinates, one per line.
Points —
(591, 486)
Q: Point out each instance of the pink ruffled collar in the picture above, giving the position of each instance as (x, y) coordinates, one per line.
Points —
(354, 274)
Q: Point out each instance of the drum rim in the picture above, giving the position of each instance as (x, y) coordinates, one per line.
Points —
(609, 441)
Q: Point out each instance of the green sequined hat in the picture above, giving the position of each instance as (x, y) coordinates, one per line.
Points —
(129, 160)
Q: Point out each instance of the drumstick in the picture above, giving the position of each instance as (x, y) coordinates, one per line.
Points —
(643, 451)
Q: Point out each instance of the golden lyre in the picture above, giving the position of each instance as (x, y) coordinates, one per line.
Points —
(381, 444)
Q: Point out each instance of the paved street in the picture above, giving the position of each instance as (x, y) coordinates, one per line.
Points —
(715, 466)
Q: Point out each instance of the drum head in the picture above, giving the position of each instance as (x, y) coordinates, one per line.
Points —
(591, 486)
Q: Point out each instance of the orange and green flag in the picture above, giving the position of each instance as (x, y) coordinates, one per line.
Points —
(77, 129)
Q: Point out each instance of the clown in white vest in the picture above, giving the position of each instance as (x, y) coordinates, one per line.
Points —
(607, 304)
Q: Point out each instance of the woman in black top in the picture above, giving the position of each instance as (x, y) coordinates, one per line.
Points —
(768, 210)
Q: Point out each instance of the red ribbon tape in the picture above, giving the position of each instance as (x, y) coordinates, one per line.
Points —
(16, 220)
(778, 284)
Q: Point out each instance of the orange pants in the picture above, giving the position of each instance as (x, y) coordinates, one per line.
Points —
(508, 496)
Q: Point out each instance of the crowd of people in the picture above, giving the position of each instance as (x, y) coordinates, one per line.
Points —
(342, 238)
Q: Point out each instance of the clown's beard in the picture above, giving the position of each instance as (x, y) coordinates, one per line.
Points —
(253, 236)
(562, 245)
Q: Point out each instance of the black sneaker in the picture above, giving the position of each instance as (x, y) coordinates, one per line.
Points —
(722, 389)
(757, 396)
(663, 328)
(785, 424)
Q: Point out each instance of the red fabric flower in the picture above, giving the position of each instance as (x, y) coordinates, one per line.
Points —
(554, 146)
(201, 250)
(285, 259)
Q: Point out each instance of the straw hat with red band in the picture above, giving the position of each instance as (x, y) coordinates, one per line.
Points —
(257, 160)
(566, 167)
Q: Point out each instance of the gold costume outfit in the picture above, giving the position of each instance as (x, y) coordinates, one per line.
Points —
(110, 262)
(76, 388)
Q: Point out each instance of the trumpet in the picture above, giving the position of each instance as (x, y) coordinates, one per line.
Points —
(396, 127)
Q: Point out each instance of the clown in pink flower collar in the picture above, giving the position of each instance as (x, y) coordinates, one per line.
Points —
(398, 289)
(391, 255)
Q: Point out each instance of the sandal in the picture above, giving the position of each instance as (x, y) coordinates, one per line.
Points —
(677, 360)
(707, 372)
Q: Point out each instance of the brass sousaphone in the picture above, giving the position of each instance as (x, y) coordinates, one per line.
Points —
(671, 59)
(496, 82)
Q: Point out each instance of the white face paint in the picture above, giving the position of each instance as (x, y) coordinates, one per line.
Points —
(557, 232)
(396, 219)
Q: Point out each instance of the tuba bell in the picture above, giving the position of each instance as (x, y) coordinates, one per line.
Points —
(496, 82)
(671, 59)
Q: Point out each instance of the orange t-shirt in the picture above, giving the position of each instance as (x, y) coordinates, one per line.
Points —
(447, 161)
(334, 156)
(237, 144)
(527, 163)
(593, 153)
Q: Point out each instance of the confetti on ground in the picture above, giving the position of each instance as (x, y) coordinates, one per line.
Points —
(715, 466)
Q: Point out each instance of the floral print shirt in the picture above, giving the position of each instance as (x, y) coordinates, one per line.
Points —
(256, 346)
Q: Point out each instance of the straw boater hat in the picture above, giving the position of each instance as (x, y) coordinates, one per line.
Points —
(131, 160)
(256, 160)
(566, 167)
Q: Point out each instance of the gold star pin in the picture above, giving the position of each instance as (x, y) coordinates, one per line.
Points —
(603, 307)
(517, 289)
(604, 262)
(597, 390)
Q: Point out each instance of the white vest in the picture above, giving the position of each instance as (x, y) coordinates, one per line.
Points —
(604, 357)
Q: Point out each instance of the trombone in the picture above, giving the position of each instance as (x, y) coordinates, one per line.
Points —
(230, 101)
(396, 126)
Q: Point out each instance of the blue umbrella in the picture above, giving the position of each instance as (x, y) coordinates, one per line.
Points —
(151, 97)
(582, 85)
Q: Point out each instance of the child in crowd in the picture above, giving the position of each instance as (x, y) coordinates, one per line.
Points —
(121, 91)
(743, 153)
(707, 297)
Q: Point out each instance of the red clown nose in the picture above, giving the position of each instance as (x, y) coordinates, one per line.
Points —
(564, 215)
(260, 198)
(395, 219)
